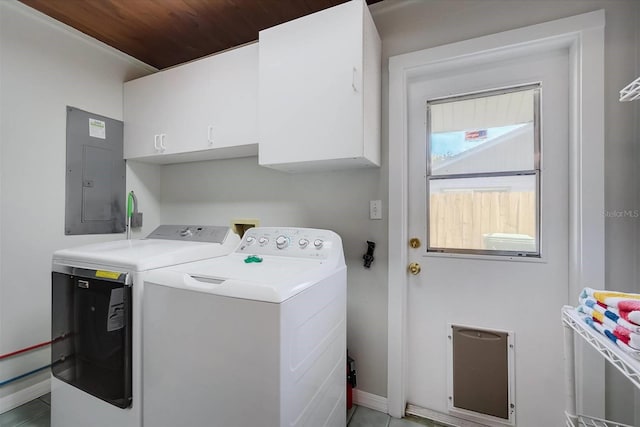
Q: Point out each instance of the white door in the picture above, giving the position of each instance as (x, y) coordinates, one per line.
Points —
(189, 111)
(145, 116)
(233, 91)
(519, 294)
(310, 105)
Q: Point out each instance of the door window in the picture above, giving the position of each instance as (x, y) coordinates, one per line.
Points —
(483, 173)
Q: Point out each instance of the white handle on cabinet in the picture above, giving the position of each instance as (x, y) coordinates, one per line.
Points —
(354, 75)
(210, 134)
(155, 142)
(162, 137)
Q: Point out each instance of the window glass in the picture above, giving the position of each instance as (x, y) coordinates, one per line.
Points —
(483, 213)
(483, 173)
(494, 133)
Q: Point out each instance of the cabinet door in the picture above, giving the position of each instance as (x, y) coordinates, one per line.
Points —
(213, 102)
(233, 97)
(144, 116)
(310, 103)
(187, 112)
(191, 112)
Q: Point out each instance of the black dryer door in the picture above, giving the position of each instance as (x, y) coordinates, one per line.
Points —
(91, 328)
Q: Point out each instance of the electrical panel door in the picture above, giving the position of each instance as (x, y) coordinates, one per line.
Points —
(95, 174)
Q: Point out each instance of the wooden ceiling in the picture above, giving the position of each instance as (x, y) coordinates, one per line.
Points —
(163, 33)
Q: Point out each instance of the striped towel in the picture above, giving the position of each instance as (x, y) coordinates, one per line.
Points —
(628, 304)
(621, 333)
(611, 313)
(611, 336)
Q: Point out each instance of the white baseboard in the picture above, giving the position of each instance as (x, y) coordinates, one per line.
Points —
(371, 401)
(25, 395)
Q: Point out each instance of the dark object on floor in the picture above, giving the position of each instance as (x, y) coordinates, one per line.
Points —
(351, 380)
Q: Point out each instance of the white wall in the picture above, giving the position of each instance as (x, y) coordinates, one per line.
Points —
(45, 66)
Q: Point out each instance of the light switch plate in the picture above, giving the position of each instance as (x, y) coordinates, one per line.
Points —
(375, 209)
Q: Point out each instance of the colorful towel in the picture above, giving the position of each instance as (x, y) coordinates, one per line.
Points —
(627, 303)
(621, 333)
(611, 313)
(611, 336)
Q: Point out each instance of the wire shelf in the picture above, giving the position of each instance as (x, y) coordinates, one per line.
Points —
(626, 364)
(631, 92)
(584, 421)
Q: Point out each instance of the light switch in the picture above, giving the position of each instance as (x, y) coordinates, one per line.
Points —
(375, 209)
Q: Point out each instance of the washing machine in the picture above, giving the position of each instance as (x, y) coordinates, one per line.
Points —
(257, 337)
(97, 293)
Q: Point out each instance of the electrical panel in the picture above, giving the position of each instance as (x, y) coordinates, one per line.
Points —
(95, 174)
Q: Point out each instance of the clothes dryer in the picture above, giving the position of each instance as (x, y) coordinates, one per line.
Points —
(257, 337)
(97, 293)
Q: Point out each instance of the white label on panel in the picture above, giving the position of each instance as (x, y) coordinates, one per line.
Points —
(97, 129)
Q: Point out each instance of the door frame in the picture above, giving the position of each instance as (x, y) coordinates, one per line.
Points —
(583, 35)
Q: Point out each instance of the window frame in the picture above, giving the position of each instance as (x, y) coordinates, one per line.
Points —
(537, 169)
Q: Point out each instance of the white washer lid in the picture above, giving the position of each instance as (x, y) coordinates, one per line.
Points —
(275, 279)
(143, 254)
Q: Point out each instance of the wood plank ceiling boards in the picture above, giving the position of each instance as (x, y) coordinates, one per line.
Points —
(164, 33)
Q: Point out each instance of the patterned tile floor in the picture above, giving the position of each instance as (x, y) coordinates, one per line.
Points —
(37, 413)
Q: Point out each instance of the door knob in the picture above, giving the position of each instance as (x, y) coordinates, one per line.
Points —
(414, 268)
(414, 242)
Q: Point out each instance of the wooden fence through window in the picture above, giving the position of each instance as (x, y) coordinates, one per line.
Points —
(462, 219)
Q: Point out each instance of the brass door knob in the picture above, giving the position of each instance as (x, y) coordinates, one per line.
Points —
(414, 268)
(414, 242)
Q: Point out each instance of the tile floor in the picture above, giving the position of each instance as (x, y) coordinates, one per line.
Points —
(359, 416)
(37, 413)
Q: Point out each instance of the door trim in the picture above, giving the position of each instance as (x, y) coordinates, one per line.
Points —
(583, 35)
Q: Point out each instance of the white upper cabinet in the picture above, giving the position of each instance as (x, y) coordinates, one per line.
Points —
(144, 120)
(206, 109)
(319, 91)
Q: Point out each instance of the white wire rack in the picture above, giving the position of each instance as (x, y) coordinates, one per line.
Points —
(626, 364)
(584, 421)
(631, 91)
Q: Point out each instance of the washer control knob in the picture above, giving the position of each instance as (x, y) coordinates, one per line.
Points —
(282, 242)
(250, 240)
(186, 232)
(318, 243)
(303, 243)
(263, 241)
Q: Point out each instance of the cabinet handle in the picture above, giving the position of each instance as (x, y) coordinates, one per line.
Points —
(210, 134)
(155, 142)
(354, 75)
(162, 137)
